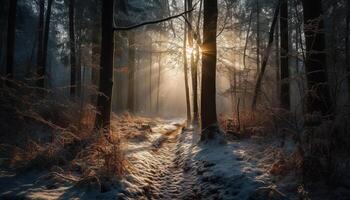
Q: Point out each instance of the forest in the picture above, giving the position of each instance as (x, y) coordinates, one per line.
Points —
(175, 99)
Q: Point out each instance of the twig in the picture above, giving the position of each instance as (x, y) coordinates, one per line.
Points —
(153, 21)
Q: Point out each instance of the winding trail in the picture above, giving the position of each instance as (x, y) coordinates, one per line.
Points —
(163, 172)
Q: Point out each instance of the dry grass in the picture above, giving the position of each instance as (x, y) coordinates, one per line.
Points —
(45, 131)
(262, 123)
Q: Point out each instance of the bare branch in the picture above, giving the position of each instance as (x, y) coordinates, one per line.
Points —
(153, 21)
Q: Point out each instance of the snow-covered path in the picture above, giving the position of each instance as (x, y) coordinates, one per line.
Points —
(162, 171)
(166, 161)
(179, 167)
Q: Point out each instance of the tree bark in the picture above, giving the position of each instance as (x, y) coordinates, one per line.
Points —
(158, 81)
(208, 90)
(193, 68)
(257, 38)
(266, 56)
(131, 71)
(278, 57)
(72, 48)
(284, 98)
(95, 55)
(78, 71)
(246, 40)
(318, 99)
(42, 70)
(106, 70)
(11, 35)
(150, 77)
(231, 93)
(188, 104)
(347, 45)
(40, 53)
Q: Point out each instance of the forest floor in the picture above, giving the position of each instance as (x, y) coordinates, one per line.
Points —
(167, 161)
(175, 165)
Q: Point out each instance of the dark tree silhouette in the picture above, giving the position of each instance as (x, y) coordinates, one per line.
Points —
(284, 98)
(72, 47)
(95, 55)
(42, 62)
(266, 56)
(257, 37)
(208, 90)
(347, 45)
(11, 35)
(106, 69)
(131, 71)
(40, 53)
(188, 104)
(318, 99)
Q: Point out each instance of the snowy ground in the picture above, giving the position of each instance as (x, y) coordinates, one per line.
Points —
(166, 161)
(182, 168)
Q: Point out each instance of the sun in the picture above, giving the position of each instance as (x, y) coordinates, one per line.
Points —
(189, 51)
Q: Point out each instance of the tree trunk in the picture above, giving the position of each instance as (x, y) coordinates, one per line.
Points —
(278, 57)
(78, 82)
(347, 45)
(131, 72)
(106, 70)
(11, 35)
(188, 104)
(193, 68)
(318, 99)
(257, 38)
(72, 48)
(42, 67)
(138, 102)
(284, 98)
(266, 57)
(40, 53)
(231, 94)
(208, 90)
(246, 40)
(95, 55)
(150, 77)
(235, 82)
(159, 78)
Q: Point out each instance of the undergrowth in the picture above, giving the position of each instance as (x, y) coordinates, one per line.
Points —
(43, 130)
(321, 151)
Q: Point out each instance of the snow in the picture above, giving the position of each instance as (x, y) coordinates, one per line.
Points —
(185, 168)
(168, 161)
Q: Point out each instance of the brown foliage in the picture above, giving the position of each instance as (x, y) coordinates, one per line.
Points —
(53, 132)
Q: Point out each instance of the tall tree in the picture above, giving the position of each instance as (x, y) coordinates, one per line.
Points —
(284, 98)
(246, 40)
(39, 57)
(188, 104)
(95, 50)
(347, 44)
(106, 70)
(42, 62)
(278, 57)
(257, 38)
(11, 35)
(208, 90)
(131, 71)
(158, 79)
(72, 47)
(193, 67)
(318, 99)
(150, 75)
(266, 56)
